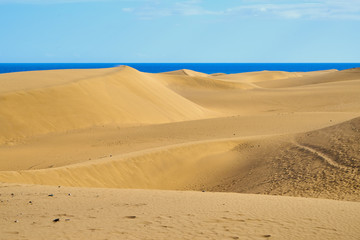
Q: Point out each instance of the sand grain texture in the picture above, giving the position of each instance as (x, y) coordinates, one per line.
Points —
(143, 214)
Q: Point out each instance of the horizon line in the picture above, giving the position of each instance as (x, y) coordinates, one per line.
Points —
(179, 62)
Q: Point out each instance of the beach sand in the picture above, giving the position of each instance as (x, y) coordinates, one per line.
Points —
(179, 155)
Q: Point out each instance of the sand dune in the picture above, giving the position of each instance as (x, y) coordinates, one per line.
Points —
(264, 133)
(336, 96)
(183, 82)
(61, 149)
(187, 72)
(125, 96)
(267, 76)
(321, 163)
(175, 167)
(331, 76)
(293, 167)
(257, 76)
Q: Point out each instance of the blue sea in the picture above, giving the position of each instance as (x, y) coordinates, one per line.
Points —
(200, 67)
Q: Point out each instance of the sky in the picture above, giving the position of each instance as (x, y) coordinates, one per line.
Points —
(130, 31)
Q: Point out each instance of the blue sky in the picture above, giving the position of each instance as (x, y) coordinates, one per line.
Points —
(179, 31)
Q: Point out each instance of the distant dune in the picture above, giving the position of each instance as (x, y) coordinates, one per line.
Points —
(294, 135)
(315, 78)
(188, 72)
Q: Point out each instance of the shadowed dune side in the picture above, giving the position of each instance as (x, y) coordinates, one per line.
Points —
(340, 143)
(322, 163)
(184, 166)
(123, 97)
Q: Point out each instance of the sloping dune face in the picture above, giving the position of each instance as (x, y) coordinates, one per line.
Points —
(184, 166)
(160, 131)
(120, 96)
(304, 165)
(321, 163)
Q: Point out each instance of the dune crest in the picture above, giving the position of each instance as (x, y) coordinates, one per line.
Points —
(187, 72)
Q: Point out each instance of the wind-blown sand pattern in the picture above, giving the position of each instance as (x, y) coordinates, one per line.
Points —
(117, 138)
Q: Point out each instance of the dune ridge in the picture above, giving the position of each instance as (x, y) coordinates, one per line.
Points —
(173, 167)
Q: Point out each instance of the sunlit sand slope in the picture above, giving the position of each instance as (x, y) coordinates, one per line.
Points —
(122, 96)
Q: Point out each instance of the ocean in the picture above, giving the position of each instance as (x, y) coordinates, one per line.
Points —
(200, 67)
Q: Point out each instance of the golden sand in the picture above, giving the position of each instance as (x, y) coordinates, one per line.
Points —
(293, 135)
